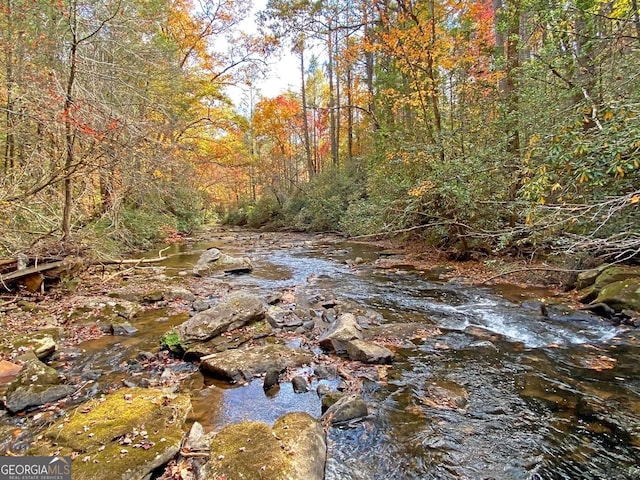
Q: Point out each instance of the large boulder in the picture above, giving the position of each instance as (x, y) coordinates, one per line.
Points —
(368, 352)
(612, 286)
(126, 435)
(232, 339)
(35, 385)
(622, 295)
(214, 261)
(236, 311)
(344, 329)
(246, 363)
(295, 448)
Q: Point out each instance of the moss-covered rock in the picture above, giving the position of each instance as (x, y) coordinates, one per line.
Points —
(622, 295)
(41, 343)
(613, 286)
(616, 274)
(588, 278)
(35, 385)
(245, 363)
(295, 448)
(125, 435)
(171, 341)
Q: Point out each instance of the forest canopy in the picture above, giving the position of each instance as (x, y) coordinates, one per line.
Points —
(502, 125)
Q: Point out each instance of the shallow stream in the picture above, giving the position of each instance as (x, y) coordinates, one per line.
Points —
(498, 392)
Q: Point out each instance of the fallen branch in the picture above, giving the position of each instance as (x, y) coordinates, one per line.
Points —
(137, 261)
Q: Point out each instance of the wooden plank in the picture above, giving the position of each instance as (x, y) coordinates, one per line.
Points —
(28, 271)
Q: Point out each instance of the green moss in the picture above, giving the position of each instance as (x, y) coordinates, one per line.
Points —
(172, 342)
(621, 295)
(99, 432)
(248, 450)
(616, 274)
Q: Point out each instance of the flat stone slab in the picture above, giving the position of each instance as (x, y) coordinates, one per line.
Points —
(295, 448)
(369, 352)
(125, 435)
(246, 363)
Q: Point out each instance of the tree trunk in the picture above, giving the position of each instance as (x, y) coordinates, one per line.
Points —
(68, 126)
(369, 65)
(433, 95)
(332, 98)
(507, 46)
(9, 147)
(305, 120)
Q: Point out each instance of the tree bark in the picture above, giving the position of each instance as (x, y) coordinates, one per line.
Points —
(69, 133)
(9, 147)
(305, 120)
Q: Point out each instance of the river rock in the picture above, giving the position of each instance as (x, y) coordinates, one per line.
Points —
(443, 394)
(35, 385)
(300, 385)
(368, 352)
(232, 339)
(125, 435)
(348, 407)
(280, 317)
(342, 331)
(295, 448)
(325, 371)
(245, 363)
(271, 378)
(197, 440)
(213, 261)
(122, 328)
(621, 295)
(234, 312)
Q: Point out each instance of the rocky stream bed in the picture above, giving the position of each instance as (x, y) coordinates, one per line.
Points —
(269, 355)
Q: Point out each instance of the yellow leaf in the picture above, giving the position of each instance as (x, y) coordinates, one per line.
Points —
(619, 171)
(608, 115)
(555, 187)
(635, 199)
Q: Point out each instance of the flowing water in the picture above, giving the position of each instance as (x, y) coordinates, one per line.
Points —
(498, 392)
(547, 398)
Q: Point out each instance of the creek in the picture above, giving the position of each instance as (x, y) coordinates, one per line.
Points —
(496, 391)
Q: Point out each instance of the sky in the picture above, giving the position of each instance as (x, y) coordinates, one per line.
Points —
(284, 73)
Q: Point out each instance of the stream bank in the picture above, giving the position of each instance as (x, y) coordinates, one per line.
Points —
(469, 365)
